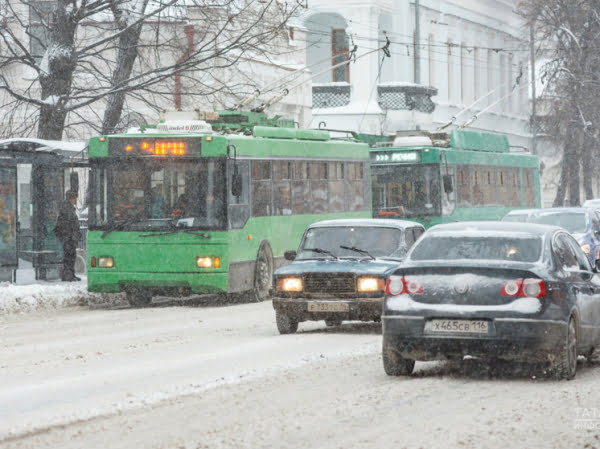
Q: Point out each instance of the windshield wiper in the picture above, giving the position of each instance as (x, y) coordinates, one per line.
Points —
(118, 226)
(175, 231)
(320, 251)
(358, 250)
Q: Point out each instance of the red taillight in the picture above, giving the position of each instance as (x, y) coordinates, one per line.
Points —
(398, 285)
(512, 288)
(93, 263)
(413, 286)
(394, 285)
(533, 288)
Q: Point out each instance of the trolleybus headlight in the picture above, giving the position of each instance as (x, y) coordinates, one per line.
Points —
(208, 262)
(289, 284)
(367, 284)
(106, 262)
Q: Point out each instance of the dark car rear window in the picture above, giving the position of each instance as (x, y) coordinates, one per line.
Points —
(446, 247)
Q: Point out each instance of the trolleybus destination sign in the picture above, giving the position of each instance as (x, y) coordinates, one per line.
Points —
(154, 147)
(396, 156)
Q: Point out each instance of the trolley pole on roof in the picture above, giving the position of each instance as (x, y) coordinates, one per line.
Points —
(533, 105)
(417, 42)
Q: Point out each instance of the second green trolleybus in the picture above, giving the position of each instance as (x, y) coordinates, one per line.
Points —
(209, 204)
(439, 177)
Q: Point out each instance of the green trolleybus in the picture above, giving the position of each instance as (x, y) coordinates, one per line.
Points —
(438, 177)
(209, 204)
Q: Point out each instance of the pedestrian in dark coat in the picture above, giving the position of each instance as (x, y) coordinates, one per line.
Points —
(67, 231)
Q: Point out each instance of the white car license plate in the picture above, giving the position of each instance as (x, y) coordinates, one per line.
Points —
(328, 307)
(457, 326)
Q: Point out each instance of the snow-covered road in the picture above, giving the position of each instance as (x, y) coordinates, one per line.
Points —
(188, 375)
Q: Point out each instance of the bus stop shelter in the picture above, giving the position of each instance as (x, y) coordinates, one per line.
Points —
(34, 175)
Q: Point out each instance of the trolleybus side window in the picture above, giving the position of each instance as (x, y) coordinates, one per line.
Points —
(282, 195)
(261, 189)
(300, 188)
(489, 186)
(464, 191)
(356, 187)
(335, 178)
(318, 187)
(528, 187)
(515, 187)
(476, 185)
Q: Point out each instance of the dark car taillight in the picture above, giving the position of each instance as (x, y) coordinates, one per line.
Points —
(533, 288)
(398, 285)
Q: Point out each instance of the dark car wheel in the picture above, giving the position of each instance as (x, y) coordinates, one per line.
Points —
(567, 359)
(331, 323)
(139, 298)
(394, 364)
(285, 323)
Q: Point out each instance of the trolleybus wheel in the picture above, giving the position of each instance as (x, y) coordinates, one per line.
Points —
(139, 298)
(263, 272)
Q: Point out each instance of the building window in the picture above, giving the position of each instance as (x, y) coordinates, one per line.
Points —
(340, 53)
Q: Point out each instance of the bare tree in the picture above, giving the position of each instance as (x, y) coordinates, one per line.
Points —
(87, 63)
(568, 34)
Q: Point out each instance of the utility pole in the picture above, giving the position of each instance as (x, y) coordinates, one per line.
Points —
(533, 105)
(417, 45)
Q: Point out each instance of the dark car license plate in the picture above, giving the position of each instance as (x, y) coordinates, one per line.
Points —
(443, 326)
(328, 307)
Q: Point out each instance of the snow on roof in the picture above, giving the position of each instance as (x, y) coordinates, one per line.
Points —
(62, 147)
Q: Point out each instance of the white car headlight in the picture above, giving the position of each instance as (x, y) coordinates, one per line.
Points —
(289, 284)
(367, 284)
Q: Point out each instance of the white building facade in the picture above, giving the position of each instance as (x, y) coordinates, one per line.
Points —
(472, 57)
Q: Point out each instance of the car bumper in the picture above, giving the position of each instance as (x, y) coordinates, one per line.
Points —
(304, 309)
(507, 338)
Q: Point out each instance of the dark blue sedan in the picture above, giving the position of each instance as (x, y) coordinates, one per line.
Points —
(339, 271)
(492, 290)
(582, 222)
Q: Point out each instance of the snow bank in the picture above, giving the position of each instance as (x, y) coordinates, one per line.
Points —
(44, 296)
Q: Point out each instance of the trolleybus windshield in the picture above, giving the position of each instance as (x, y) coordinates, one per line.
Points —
(150, 194)
(406, 190)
